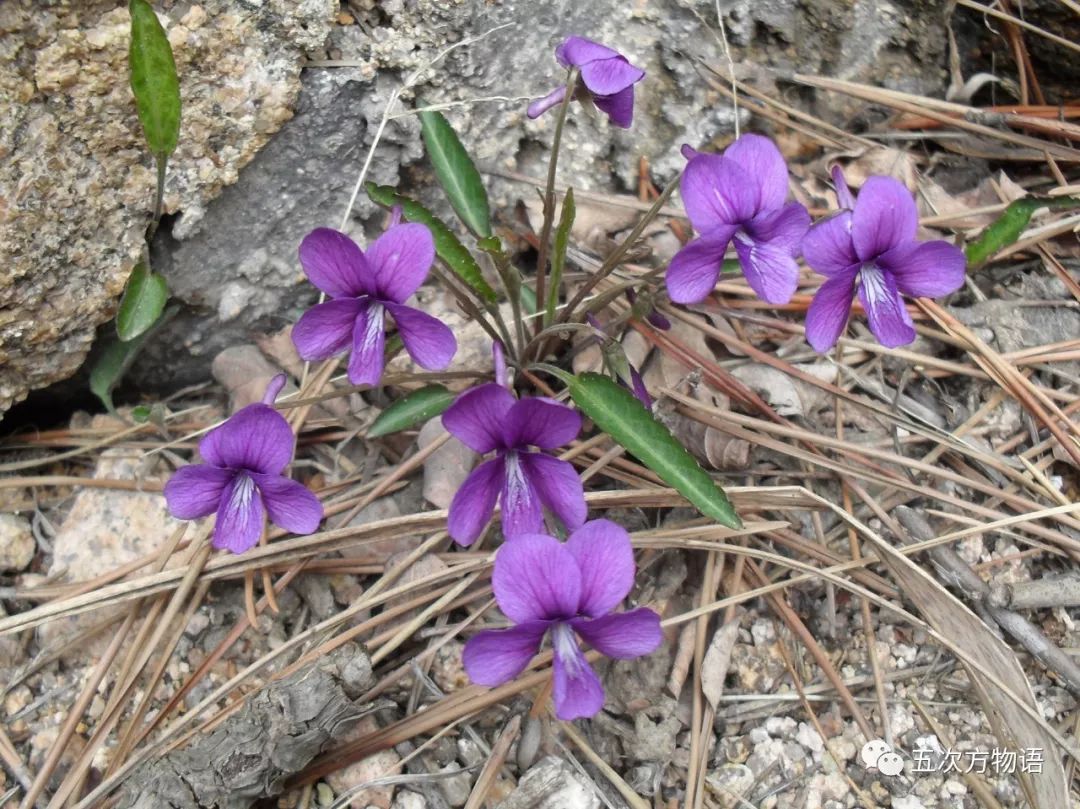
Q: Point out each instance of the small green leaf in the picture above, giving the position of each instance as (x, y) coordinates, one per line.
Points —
(154, 80)
(528, 299)
(447, 245)
(558, 255)
(615, 411)
(1006, 229)
(140, 414)
(110, 368)
(143, 302)
(416, 408)
(456, 172)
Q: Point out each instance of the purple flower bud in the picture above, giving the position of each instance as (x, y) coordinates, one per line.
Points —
(607, 76)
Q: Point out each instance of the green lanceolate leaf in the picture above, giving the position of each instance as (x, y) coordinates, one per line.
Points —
(153, 79)
(447, 245)
(117, 357)
(558, 254)
(1006, 229)
(416, 408)
(615, 411)
(456, 172)
(143, 302)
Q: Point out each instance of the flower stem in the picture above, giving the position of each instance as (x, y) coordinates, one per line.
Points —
(549, 192)
(616, 256)
(159, 195)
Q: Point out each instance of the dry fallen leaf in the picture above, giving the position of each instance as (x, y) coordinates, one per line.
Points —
(714, 667)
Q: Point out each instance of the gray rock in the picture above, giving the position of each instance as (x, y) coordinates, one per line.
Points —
(551, 784)
(106, 528)
(76, 179)
(237, 269)
(17, 545)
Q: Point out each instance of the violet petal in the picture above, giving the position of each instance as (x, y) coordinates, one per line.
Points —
(577, 51)
(368, 345)
(477, 417)
(401, 259)
(522, 512)
(542, 105)
(195, 491)
(558, 486)
(622, 635)
(576, 692)
(474, 502)
(536, 579)
(829, 310)
(619, 107)
(843, 194)
(769, 268)
(240, 516)
(541, 422)
(637, 387)
(784, 227)
(885, 217)
(335, 264)
(496, 656)
(717, 191)
(605, 558)
(430, 342)
(256, 438)
(291, 505)
(764, 165)
(827, 246)
(885, 311)
(326, 328)
(926, 269)
(606, 77)
(693, 271)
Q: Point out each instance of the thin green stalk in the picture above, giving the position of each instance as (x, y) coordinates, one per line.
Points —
(616, 256)
(159, 196)
(472, 311)
(549, 192)
(511, 281)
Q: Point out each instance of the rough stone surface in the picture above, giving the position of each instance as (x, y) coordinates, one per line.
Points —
(76, 180)
(236, 268)
(551, 784)
(106, 528)
(17, 543)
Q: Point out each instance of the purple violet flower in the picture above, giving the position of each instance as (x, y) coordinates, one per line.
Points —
(242, 479)
(739, 196)
(543, 585)
(607, 76)
(488, 418)
(364, 287)
(871, 244)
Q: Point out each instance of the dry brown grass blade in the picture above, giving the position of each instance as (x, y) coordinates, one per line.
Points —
(486, 780)
(633, 800)
(1009, 377)
(918, 105)
(948, 615)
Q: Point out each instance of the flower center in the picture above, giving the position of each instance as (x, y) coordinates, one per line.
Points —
(564, 645)
(245, 489)
(515, 479)
(872, 280)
